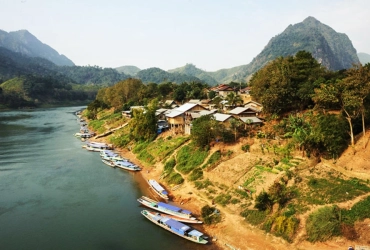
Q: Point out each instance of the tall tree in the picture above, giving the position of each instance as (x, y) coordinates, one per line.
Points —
(357, 83)
(143, 125)
(234, 99)
(286, 84)
(338, 94)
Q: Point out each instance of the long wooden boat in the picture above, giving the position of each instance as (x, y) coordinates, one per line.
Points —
(126, 165)
(111, 156)
(165, 208)
(184, 220)
(158, 189)
(176, 227)
(109, 163)
(97, 146)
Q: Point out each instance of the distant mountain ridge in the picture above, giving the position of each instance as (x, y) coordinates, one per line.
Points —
(364, 58)
(333, 50)
(128, 70)
(27, 44)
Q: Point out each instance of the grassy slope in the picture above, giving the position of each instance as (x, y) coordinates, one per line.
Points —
(235, 178)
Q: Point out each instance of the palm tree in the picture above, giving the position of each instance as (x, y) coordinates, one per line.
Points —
(234, 99)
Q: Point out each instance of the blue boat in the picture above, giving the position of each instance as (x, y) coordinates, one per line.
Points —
(165, 208)
(158, 189)
(176, 227)
(126, 165)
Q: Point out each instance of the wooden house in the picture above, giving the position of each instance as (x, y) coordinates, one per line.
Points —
(176, 118)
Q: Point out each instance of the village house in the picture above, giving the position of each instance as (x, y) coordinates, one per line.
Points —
(248, 111)
(176, 118)
(161, 113)
(223, 90)
(191, 116)
(170, 104)
(245, 94)
(224, 119)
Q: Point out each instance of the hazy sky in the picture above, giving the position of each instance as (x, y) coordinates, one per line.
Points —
(211, 34)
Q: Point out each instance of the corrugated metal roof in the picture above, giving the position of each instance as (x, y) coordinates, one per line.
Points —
(178, 225)
(185, 107)
(237, 110)
(195, 233)
(174, 113)
(221, 117)
(252, 118)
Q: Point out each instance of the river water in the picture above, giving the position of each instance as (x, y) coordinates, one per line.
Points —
(56, 195)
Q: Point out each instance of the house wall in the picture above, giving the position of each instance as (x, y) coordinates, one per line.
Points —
(178, 120)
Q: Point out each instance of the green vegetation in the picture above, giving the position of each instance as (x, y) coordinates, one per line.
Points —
(190, 157)
(223, 199)
(358, 212)
(169, 165)
(213, 159)
(323, 224)
(210, 215)
(174, 178)
(196, 174)
(203, 184)
(332, 190)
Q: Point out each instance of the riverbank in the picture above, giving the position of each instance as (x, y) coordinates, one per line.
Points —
(231, 233)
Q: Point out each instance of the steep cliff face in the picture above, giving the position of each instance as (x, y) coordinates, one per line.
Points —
(333, 50)
(27, 44)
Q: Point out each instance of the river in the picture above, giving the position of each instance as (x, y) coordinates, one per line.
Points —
(56, 195)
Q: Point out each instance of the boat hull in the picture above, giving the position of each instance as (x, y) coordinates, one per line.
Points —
(154, 205)
(110, 164)
(161, 221)
(184, 220)
(158, 189)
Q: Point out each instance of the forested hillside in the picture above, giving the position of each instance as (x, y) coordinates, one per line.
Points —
(38, 81)
(27, 44)
(157, 75)
(267, 176)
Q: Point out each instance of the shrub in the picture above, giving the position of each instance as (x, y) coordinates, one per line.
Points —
(210, 215)
(358, 212)
(215, 157)
(175, 178)
(170, 164)
(323, 224)
(196, 174)
(223, 199)
(246, 147)
(285, 226)
(203, 184)
(254, 217)
(263, 201)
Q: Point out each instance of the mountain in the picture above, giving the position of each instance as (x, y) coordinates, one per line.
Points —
(128, 70)
(157, 75)
(27, 44)
(333, 50)
(191, 70)
(364, 58)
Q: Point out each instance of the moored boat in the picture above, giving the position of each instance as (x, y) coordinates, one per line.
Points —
(126, 165)
(176, 227)
(97, 146)
(158, 189)
(111, 156)
(184, 220)
(109, 163)
(165, 208)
